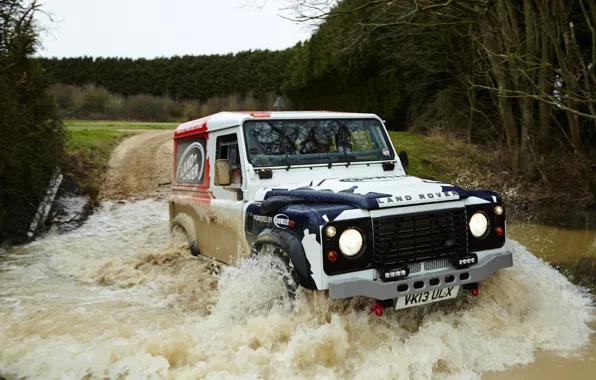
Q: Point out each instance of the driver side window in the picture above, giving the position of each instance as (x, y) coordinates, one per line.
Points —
(227, 149)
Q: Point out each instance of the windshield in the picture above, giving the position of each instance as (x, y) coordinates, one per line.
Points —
(303, 142)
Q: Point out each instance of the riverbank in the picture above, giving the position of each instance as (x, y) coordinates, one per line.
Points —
(90, 147)
(449, 159)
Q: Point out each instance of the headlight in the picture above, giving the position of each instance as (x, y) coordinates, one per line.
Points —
(350, 242)
(478, 225)
(330, 231)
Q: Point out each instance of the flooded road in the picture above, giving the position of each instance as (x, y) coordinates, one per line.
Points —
(116, 299)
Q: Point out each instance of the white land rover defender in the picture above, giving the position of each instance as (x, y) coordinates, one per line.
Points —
(326, 192)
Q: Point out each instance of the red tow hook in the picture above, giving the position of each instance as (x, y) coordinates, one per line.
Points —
(376, 308)
(475, 292)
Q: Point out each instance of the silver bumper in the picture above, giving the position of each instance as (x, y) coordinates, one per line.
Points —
(488, 264)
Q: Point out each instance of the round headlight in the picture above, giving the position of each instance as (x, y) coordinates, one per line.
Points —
(330, 231)
(478, 225)
(350, 242)
(498, 210)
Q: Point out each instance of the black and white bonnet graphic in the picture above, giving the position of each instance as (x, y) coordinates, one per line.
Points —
(301, 210)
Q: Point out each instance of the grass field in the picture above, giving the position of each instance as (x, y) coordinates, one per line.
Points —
(88, 152)
(108, 125)
(438, 158)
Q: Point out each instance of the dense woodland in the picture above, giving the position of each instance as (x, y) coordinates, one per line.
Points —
(305, 73)
(188, 77)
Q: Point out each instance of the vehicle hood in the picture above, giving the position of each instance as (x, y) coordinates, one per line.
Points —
(372, 192)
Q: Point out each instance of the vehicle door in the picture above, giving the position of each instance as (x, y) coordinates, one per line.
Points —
(226, 225)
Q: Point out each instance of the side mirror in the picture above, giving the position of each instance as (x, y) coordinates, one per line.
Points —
(223, 173)
(403, 157)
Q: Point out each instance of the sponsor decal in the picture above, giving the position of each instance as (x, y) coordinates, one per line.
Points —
(417, 198)
(379, 178)
(385, 152)
(263, 219)
(190, 167)
(280, 220)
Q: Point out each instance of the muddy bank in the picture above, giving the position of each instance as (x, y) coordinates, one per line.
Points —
(140, 167)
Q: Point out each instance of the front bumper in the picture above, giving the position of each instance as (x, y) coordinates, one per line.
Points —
(488, 263)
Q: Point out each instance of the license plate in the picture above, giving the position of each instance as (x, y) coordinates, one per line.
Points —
(424, 298)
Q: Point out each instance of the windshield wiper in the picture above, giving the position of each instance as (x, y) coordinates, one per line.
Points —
(344, 129)
(347, 157)
(287, 162)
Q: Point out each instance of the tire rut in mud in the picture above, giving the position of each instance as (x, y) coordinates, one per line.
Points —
(140, 167)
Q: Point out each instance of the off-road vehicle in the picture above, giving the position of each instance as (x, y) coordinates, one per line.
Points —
(327, 194)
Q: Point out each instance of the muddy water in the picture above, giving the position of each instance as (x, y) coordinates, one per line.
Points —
(565, 238)
(116, 299)
(568, 240)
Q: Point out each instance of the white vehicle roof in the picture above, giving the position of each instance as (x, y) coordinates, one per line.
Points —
(230, 119)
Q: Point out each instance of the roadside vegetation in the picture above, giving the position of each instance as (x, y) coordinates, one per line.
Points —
(91, 102)
(437, 157)
(88, 152)
(32, 137)
(444, 157)
(115, 125)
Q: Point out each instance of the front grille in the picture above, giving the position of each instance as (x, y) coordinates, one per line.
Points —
(417, 237)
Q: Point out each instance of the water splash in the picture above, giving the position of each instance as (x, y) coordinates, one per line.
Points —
(115, 299)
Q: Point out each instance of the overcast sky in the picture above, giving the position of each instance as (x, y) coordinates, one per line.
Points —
(154, 28)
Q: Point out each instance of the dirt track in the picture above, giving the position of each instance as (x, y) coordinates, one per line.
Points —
(140, 167)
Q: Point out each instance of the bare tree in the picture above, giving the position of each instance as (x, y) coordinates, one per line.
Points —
(538, 58)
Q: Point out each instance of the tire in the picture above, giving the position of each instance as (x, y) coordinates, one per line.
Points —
(178, 233)
(281, 263)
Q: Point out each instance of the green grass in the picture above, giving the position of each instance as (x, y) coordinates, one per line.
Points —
(92, 140)
(89, 152)
(108, 125)
(438, 158)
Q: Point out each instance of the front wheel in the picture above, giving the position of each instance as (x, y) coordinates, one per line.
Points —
(279, 261)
